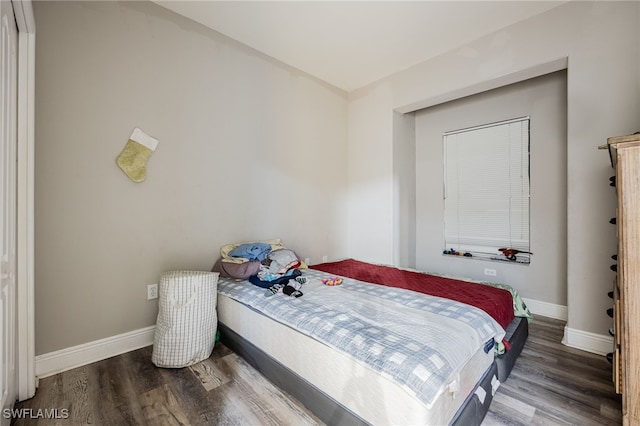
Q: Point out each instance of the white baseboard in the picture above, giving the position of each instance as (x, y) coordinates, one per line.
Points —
(586, 341)
(546, 309)
(583, 340)
(65, 359)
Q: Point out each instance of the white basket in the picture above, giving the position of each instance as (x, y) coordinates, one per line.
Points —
(187, 318)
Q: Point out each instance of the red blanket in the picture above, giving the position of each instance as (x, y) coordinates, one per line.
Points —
(495, 301)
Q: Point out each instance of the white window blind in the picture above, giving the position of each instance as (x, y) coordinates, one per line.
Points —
(487, 187)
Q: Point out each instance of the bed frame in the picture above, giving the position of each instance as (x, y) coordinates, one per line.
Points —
(331, 412)
(516, 334)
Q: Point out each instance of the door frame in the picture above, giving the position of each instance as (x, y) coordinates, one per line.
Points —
(25, 297)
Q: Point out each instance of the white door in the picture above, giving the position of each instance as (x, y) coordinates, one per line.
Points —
(8, 158)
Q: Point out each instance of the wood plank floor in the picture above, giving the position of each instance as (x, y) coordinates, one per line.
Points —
(551, 384)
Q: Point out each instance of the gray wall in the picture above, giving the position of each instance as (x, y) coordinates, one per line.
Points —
(229, 121)
(249, 149)
(404, 189)
(599, 42)
(544, 100)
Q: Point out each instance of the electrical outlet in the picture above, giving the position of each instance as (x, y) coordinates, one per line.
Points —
(490, 272)
(152, 291)
(306, 260)
(325, 258)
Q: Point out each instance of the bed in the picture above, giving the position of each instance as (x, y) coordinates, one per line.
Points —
(366, 352)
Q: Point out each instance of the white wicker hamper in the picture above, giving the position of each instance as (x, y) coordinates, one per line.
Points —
(187, 318)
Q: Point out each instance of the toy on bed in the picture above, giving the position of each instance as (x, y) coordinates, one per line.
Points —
(332, 281)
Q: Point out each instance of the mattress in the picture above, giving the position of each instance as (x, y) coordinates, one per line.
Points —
(367, 394)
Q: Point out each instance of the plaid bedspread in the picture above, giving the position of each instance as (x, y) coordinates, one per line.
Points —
(497, 302)
(417, 340)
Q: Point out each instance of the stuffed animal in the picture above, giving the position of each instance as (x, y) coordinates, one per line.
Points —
(332, 281)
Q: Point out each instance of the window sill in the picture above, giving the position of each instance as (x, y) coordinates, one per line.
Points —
(522, 260)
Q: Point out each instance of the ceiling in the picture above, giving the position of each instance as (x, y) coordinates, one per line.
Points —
(350, 44)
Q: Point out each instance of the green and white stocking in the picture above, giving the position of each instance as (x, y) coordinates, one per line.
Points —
(133, 158)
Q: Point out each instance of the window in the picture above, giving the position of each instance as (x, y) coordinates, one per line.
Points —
(486, 189)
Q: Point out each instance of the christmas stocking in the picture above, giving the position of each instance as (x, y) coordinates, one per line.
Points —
(133, 158)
